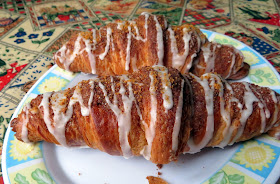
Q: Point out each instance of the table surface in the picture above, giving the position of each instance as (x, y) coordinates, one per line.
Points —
(32, 30)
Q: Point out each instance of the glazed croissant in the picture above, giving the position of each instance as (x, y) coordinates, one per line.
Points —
(155, 112)
(124, 47)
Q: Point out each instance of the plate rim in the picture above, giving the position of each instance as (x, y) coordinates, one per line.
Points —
(272, 177)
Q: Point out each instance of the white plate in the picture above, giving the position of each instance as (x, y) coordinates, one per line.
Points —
(255, 161)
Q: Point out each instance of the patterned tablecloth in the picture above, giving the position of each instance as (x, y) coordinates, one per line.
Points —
(32, 30)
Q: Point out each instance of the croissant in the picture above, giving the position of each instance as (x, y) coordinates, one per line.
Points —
(156, 112)
(124, 47)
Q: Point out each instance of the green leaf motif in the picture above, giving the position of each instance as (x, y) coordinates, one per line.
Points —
(255, 78)
(259, 72)
(36, 41)
(8, 120)
(40, 41)
(2, 63)
(267, 75)
(1, 119)
(21, 179)
(236, 179)
(226, 41)
(41, 176)
(12, 36)
(44, 40)
(218, 178)
(270, 80)
(235, 161)
(21, 30)
(52, 30)
(276, 35)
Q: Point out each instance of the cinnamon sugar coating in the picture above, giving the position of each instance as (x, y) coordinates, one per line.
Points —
(156, 112)
(123, 47)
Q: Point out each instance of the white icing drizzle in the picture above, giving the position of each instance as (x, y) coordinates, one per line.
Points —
(166, 87)
(227, 133)
(67, 59)
(112, 43)
(109, 32)
(237, 51)
(77, 48)
(189, 65)
(199, 42)
(45, 104)
(77, 96)
(91, 82)
(150, 130)
(233, 60)
(165, 23)
(146, 23)
(224, 111)
(160, 45)
(120, 25)
(208, 94)
(62, 57)
(124, 122)
(276, 110)
(123, 118)
(60, 119)
(24, 130)
(128, 49)
(91, 55)
(137, 36)
(177, 59)
(177, 124)
(273, 94)
(249, 98)
(131, 95)
(264, 112)
(133, 61)
(99, 32)
(57, 128)
(209, 57)
(200, 67)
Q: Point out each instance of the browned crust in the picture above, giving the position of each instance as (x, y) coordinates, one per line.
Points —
(100, 129)
(224, 55)
(156, 180)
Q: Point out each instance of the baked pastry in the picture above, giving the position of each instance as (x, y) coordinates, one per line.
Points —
(222, 59)
(156, 180)
(124, 47)
(156, 112)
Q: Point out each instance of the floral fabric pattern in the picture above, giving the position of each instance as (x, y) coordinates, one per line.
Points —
(32, 30)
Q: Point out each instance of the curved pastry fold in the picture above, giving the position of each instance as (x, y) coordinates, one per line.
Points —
(222, 59)
(124, 47)
(155, 112)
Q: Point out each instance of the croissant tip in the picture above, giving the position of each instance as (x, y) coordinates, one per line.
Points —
(14, 123)
(241, 73)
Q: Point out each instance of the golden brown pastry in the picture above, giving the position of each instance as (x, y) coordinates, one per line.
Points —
(156, 180)
(222, 59)
(156, 112)
(124, 47)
